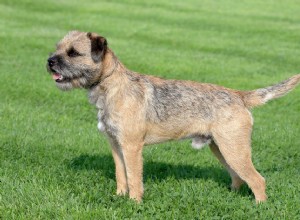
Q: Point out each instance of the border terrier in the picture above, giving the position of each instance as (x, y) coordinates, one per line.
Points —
(136, 110)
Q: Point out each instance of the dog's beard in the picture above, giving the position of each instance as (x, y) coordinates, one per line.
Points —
(68, 77)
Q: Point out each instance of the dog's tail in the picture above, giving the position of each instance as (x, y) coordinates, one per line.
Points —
(261, 96)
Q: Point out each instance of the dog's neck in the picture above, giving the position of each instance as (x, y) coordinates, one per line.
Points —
(113, 74)
(110, 65)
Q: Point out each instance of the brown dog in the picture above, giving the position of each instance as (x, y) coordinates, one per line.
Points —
(135, 110)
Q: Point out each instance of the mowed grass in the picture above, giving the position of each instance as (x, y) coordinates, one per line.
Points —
(55, 165)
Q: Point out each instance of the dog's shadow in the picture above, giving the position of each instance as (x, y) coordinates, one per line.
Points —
(153, 170)
(157, 171)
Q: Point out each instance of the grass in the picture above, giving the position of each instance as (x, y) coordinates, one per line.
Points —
(55, 165)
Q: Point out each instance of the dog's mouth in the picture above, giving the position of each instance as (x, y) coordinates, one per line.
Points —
(78, 80)
(57, 77)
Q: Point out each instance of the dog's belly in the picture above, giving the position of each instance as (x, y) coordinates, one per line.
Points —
(198, 141)
(195, 131)
(155, 139)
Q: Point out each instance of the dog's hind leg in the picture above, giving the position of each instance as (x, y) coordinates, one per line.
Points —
(236, 180)
(233, 140)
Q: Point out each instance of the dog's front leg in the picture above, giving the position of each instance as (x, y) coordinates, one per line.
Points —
(122, 187)
(134, 169)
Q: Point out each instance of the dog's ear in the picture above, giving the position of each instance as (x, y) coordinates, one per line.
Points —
(98, 46)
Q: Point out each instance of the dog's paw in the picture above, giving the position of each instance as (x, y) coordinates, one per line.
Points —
(261, 199)
(136, 198)
(122, 190)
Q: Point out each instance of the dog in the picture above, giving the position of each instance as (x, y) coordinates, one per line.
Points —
(136, 110)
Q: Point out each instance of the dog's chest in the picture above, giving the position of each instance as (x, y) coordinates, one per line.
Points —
(105, 122)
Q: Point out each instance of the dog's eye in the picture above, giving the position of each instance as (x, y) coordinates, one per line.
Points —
(73, 53)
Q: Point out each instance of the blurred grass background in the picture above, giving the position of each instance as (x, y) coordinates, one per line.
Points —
(55, 165)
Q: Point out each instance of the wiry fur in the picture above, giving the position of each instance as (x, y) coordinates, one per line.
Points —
(136, 110)
(261, 96)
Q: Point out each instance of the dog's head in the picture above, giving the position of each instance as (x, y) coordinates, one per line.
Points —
(78, 60)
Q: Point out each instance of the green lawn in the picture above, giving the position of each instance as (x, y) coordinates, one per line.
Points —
(55, 165)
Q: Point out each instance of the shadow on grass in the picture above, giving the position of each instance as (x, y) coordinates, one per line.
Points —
(152, 169)
(156, 170)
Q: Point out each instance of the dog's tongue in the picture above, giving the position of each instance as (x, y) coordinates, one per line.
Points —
(56, 76)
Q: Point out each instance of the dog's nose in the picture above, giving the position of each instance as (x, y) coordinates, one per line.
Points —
(51, 61)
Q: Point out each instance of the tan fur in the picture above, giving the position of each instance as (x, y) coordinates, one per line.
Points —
(136, 110)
